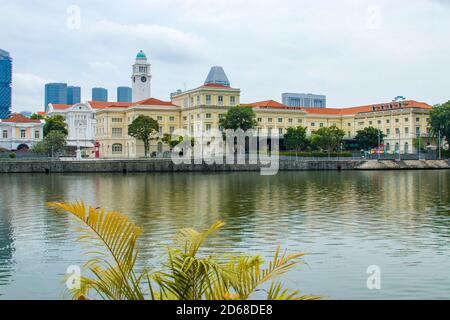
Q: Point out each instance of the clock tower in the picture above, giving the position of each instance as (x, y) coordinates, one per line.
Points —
(141, 78)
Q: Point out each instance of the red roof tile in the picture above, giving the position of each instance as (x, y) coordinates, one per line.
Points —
(153, 102)
(18, 118)
(61, 106)
(103, 105)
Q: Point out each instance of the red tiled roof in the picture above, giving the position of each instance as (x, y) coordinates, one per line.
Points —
(103, 105)
(153, 102)
(42, 113)
(61, 106)
(270, 104)
(18, 118)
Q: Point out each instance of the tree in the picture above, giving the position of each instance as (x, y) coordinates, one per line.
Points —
(53, 143)
(55, 123)
(239, 118)
(144, 128)
(327, 138)
(36, 116)
(167, 139)
(367, 138)
(295, 139)
(111, 240)
(440, 120)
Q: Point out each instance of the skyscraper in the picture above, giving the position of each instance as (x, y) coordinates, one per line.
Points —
(55, 93)
(305, 100)
(99, 94)
(124, 94)
(73, 95)
(5, 84)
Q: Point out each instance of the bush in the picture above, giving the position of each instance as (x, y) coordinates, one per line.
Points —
(12, 155)
(316, 154)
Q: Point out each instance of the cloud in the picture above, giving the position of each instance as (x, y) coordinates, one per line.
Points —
(28, 92)
(102, 66)
(163, 43)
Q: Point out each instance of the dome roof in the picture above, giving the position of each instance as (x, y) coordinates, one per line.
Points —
(217, 76)
(141, 55)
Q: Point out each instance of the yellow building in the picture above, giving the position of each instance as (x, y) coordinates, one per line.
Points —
(200, 109)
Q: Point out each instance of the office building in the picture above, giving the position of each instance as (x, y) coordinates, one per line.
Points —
(124, 94)
(55, 93)
(5, 84)
(304, 100)
(73, 95)
(99, 94)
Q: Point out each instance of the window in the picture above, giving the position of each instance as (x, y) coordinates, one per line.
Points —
(361, 123)
(397, 120)
(321, 125)
(269, 119)
(160, 118)
(349, 133)
(172, 118)
(406, 147)
(116, 120)
(208, 127)
(280, 120)
(259, 119)
(208, 116)
(388, 121)
(198, 100)
(192, 117)
(370, 122)
(232, 100)
(172, 129)
(208, 99)
(388, 146)
(313, 124)
(185, 118)
(406, 119)
(406, 130)
(160, 129)
(5, 134)
(290, 120)
(220, 100)
(349, 124)
(116, 132)
(299, 120)
(23, 134)
(192, 101)
(36, 134)
(198, 116)
(417, 130)
(397, 130)
(221, 116)
(117, 148)
(379, 121)
(280, 131)
(388, 131)
(417, 119)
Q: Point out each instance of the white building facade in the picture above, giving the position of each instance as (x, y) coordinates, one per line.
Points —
(20, 133)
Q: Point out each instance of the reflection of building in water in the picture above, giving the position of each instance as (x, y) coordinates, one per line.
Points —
(6, 248)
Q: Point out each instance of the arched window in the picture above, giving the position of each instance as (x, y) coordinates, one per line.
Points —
(117, 148)
(406, 147)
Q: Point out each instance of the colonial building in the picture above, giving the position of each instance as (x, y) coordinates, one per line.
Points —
(201, 109)
(19, 132)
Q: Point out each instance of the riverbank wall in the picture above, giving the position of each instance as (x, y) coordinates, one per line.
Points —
(166, 165)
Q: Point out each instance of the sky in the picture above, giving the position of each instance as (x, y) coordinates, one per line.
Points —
(356, 52)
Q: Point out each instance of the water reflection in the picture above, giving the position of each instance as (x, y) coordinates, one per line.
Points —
(345, 220)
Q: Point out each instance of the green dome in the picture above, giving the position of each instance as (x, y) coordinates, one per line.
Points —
(141, 55)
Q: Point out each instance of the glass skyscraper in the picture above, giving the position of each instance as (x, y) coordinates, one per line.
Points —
(99, 94)
(73, 95)
(55, 93)
(5, 84)
(305, 100)
(124, 94)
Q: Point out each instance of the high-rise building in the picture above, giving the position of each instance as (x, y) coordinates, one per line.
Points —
(73, 95)
(305, 100)
(141, 78)
(5, 84)
(217, 76)
(55, 93)
(99, 94)
(124, 94)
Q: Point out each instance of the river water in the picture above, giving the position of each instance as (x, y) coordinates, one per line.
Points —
(398, 221)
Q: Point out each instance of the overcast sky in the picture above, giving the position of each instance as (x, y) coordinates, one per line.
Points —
(354, 51)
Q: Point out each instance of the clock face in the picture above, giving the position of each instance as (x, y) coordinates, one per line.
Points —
(144, 79)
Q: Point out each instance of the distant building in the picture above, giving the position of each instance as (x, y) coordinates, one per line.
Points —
(124, 94)
(217, 76)
(305, 100)
(99, 94)
(26, 113)
(73, 95)
(55, 93)
(19, 132)
(5, 84)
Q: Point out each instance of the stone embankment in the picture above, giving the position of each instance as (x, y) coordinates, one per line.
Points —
(166, 165)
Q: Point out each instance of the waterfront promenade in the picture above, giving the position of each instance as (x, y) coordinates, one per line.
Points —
(167, 165)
